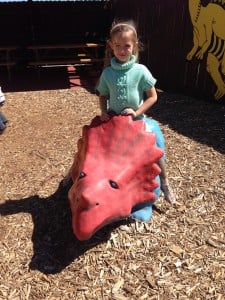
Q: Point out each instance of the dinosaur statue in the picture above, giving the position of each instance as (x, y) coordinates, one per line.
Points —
(209, 38)
(115, 174)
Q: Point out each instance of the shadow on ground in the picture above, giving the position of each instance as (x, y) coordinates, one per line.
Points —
(199, 119)
(54, 245)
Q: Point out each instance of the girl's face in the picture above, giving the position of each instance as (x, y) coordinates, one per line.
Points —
(122, 45)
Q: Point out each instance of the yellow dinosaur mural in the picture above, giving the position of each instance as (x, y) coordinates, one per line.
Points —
(209, 39)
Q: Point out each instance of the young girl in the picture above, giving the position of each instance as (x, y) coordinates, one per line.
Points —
(124, 82)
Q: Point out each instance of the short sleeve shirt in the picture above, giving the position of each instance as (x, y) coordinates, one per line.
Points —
(125, 84)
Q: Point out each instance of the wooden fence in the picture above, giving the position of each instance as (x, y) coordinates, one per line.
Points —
(52, 33)
(166, 29)
(52, 22)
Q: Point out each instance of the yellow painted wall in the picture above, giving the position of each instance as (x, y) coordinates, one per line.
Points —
(209, 40)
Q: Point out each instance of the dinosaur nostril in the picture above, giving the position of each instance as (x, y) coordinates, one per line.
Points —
(97, 204)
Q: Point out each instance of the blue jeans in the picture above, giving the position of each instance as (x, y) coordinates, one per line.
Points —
(3, 120)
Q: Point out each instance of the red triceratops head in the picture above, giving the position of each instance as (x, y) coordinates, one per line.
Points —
(113, 170)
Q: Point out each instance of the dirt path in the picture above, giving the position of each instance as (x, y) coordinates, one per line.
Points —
(179, 254)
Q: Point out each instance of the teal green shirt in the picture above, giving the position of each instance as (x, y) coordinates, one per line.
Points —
(125, 84)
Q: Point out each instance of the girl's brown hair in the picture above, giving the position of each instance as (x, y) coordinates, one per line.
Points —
(119, 27)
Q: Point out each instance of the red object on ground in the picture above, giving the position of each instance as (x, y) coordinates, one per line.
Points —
(113, 170)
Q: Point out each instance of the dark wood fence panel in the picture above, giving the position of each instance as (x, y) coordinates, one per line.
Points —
(27, 26)
(166, 30)
(51, 22)
(14, 24)
(68, 22)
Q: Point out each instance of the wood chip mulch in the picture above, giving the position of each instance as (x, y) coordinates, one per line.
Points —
(179, 254)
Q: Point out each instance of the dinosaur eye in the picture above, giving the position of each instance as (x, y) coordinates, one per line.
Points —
(113, 184)
(82, 175)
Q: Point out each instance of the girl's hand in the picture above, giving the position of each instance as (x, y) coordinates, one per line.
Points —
(104, 117)
(128, 112)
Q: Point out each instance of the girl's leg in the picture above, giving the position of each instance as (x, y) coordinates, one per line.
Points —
(2, 126)
(3, 120)
(165, 187)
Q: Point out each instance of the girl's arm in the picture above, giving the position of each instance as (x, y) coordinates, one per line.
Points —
(151, 99)
(103, 107)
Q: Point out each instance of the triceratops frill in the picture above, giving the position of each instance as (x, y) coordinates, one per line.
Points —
(113, 171)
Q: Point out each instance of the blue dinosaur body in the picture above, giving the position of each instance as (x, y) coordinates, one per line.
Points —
(143, 211)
